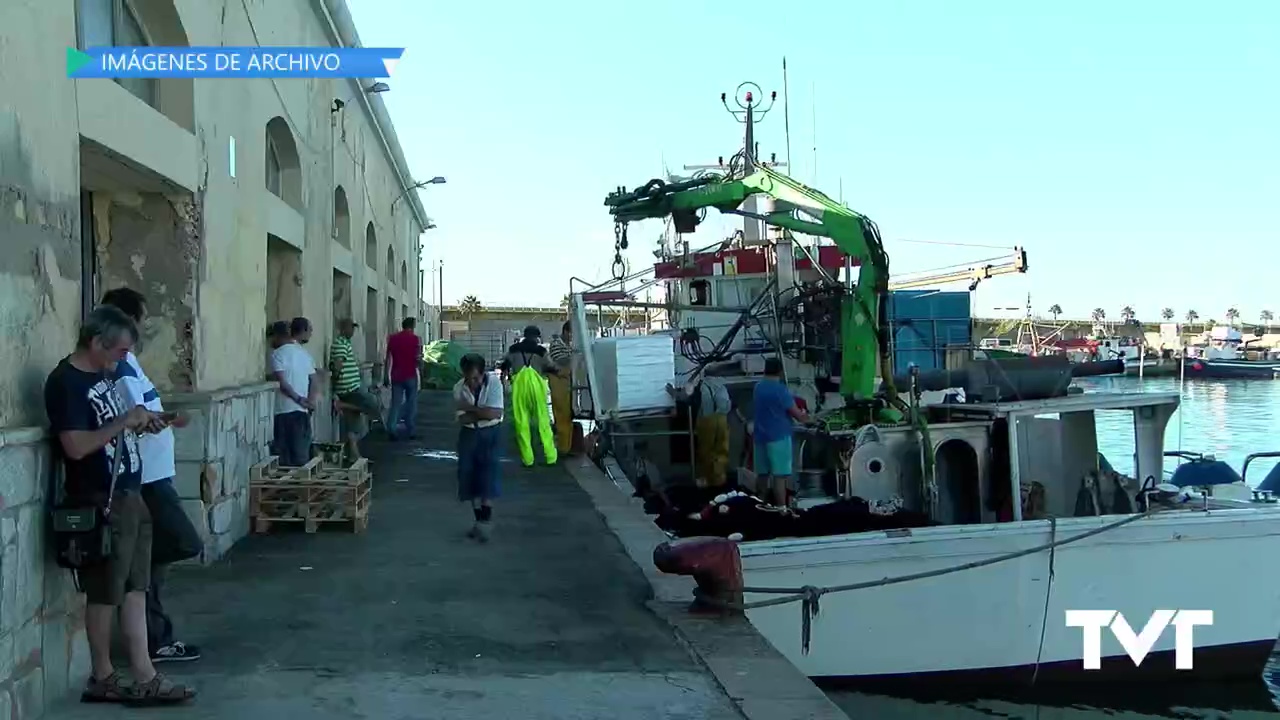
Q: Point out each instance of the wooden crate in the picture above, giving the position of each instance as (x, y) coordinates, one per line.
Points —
(311, 494)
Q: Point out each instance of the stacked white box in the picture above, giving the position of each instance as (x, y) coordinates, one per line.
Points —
(633, 372)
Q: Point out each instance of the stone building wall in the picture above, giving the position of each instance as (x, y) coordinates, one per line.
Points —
(171, 195)
(43, 652)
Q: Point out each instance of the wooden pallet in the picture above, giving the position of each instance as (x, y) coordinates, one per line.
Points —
(312, 494)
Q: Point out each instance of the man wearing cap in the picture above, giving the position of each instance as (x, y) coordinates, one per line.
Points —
(293, 368)
(527, 364)
(349, 398)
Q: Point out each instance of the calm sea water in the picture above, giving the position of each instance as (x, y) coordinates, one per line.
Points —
(1230, 419)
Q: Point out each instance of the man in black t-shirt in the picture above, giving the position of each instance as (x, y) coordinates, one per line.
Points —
(93, 432)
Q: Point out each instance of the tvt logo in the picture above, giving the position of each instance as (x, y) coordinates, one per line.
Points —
(1138, 645)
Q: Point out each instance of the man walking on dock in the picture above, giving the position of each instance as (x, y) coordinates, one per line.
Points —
(479, 400)
(526, 364)
(404, 355)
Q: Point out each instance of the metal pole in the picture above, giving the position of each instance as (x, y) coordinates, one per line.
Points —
(786, 111)
(440, 307)
(813, 121)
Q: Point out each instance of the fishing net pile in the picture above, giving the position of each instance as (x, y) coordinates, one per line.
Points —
(744, 516)
(440, 362)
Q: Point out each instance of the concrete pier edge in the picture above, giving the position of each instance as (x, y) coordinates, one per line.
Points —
(762, 683)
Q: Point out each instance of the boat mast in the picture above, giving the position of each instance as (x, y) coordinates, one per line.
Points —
(751, 110)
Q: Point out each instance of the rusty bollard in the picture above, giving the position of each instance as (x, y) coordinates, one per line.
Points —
(714, 564)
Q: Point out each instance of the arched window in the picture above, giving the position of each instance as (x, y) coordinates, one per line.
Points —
(404, 274)
(341, 218)
(391, 265)
(283, 168)
(370, 247)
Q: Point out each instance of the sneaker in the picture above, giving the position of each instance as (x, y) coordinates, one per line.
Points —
(483, 531)
(176, 652)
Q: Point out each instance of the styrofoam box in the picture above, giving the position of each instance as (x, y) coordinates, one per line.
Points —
(633, 372)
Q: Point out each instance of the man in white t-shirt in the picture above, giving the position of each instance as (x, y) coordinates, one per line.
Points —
(293, 368)
(173, 537)
(478, 404)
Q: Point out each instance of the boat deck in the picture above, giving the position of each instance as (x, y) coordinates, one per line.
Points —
(1071, 403)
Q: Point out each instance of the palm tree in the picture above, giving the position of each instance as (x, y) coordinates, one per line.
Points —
(1192, 317)
(1232, 314)
(1266, 317)
(1127, 314)
(1055, 310)
(469, 306)
(1167, 314)
(1099, 314)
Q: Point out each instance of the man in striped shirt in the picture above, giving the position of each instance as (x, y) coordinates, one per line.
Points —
(349, 398)
(561, 379)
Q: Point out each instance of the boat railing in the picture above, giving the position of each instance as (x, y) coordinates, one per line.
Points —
(1244, 469)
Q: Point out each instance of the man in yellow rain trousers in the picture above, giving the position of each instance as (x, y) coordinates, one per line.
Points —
(710, 400)
(561, 352)
(527, 364)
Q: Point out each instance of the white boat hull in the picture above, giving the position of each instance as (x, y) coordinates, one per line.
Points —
(988, 619)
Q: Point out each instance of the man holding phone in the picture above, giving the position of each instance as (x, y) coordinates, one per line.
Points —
(174, 538)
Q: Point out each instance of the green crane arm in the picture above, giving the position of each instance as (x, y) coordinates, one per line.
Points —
(863, 331)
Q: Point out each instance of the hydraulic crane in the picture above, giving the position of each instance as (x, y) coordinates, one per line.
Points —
(782, 202)
(1015, 263)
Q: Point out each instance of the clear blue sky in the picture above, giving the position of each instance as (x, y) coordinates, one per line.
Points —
(1132, 147)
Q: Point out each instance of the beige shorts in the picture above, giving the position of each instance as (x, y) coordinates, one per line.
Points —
(129, 567)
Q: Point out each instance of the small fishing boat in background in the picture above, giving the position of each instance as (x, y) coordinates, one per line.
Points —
(1225, 354)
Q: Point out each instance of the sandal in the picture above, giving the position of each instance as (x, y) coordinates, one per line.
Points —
(160, 690)
(107, 690)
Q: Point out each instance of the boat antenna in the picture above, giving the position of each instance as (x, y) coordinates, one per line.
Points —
(752, 106)
(813, 122)
(786, 109)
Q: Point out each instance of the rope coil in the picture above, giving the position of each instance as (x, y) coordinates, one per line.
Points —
(808, 596)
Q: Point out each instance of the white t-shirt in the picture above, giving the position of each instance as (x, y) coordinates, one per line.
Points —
(297, 367)
(491, 396)
(156, 448)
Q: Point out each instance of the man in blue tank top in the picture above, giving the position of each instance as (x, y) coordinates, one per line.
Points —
(774, 409)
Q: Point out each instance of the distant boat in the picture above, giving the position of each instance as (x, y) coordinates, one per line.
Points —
(1224, 354)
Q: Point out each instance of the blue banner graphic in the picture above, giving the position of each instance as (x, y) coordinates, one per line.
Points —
(232, 62)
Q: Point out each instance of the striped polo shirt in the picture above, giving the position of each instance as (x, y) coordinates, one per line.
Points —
(560, 352)
(346, 371)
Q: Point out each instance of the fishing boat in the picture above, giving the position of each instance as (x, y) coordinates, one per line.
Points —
(945, 518)
(1225, 354)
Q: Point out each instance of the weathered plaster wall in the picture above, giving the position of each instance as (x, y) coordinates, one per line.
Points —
(142, 242)
(285, 280)
(39, 204)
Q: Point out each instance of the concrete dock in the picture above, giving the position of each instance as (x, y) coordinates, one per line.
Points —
(561, 616)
